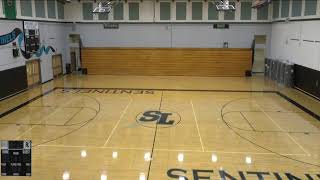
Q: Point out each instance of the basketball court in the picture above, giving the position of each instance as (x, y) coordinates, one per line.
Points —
(136, 133)
(160, 89)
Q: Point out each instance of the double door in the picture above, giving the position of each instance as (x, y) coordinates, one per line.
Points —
(259, 53)
(57, 65)
(33, 72)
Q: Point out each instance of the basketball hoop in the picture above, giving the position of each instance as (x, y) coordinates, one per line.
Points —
(225, 6)
(103, 7)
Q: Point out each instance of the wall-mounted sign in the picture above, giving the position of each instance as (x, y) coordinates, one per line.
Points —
(111, 26)
(31, 25)
(32, 36)
(220, 26)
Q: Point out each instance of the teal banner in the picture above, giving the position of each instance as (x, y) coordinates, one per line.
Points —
(18, 34)
(9, 9)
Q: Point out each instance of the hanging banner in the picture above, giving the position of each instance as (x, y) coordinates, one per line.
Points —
(9, 7)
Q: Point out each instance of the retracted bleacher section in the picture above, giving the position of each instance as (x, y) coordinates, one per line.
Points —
(230, 62)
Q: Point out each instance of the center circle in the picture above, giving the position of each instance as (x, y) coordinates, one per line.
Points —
(158, 118)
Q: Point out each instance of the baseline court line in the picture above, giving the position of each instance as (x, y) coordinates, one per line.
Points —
(196, 120)
(305, 151)
(115, 127)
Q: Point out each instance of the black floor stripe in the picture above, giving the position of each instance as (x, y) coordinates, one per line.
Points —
(247, 121)
(154, 139)
(311, 113)
(25, 103)
(157, 89)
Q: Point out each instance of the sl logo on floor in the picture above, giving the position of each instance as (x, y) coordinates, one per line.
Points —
(161, 119)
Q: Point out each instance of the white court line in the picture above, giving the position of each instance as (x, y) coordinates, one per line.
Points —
(196, 120)
(95, 147)
(255, 153)
(115, 127)
(33, 126)
(305, 151)
(55, 108)
(22, 134)
(167, 150)
(179, 150)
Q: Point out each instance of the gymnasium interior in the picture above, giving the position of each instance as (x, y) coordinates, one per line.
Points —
(160, 89)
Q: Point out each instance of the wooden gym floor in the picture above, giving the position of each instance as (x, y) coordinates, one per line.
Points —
(156, 128)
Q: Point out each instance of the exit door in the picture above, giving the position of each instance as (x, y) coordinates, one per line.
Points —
(259, 53)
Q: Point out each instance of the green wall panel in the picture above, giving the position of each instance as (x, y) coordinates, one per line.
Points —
(51, 4)
(310, 7)
(40, 12)
(284, 8)
(263, 13)
(133, 11)
(196, 10)
(230, 15)
(118, 11)
(103, 16)
(213, 14)
(246, 10)
(60, 10)
(165, 10)
(26, 8)
(275, 7)
(9, 9)
(296, 8)
(87, 9)
(181, 11)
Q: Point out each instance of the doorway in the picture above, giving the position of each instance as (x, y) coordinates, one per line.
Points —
(57, 65)
(259, 53)
(75, 48)
(73, 61)
(33, 72)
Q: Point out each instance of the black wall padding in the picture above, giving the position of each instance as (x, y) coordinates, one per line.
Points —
(12, 81)
(307, 79)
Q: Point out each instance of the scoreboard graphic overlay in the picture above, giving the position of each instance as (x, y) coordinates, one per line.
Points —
(16, 158)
